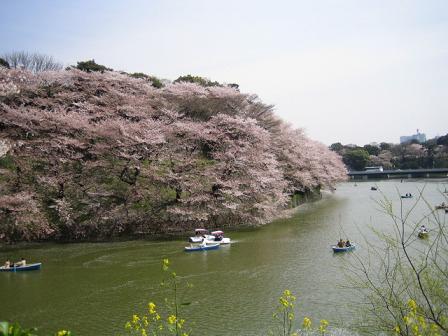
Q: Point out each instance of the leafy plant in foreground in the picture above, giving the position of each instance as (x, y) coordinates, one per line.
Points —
(14, 329)
(403, 281)
(154, 322)
(284, 315)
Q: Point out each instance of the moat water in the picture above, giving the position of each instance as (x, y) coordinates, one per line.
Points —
(94, 288)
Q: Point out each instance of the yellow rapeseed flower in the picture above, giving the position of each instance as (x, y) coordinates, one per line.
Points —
(412, 305)
(126, 326)
(422, 322)
(62, 332)
(415, 329)
(135, 319)
(407, 320)
(152, 308)
(323, 326)
(157, 317)
(144, 332)
(172, 319)
(284, 302)
(306, 323)
(397, 329)
(165, 264)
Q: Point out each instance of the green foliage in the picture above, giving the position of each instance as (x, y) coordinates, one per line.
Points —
(234, 86)
(198, 80)
(155, 82)
(337, 147)
(443, 140)
(116, 185)
(91, 66)
(163, 321)
(296, 200)
(385, 146)
(284, 313)
(7, 329)
(372, 150)
(14, 329)
(4, 63)
(410, 155)
(167, 194)
(415, 323)
(356, 159)
(402, 282)
(204, 162)
(284, 317)
(143, 205)
(7, 162)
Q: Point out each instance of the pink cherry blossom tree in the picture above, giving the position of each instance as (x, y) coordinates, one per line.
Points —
(92, 155)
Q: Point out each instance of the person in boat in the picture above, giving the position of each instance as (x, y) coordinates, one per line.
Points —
(347, 243)
(423, 229)
(341, 243)
(7, 264)
(203, 243)
(22, 262)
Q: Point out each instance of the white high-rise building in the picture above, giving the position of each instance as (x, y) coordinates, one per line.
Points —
(420, 137)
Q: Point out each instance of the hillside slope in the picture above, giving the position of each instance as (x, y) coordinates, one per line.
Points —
(92, 155)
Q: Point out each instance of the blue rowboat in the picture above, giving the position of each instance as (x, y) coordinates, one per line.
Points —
(343, 249)
(201, 248)
(29, 267)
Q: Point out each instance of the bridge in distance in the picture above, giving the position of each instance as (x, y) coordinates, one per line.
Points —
(404, 173)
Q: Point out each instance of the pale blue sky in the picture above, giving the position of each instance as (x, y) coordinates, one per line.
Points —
(344, 70)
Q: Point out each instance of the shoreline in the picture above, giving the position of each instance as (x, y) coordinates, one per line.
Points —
(283, 214)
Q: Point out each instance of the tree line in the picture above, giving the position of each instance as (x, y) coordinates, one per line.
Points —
(36, 62)
(432, 153)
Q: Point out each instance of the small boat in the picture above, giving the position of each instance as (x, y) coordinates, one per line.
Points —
(201, 248)
(199, 235)
(406, 196)
(373, 188)
(423, 234)
(343, 249)
(29, 267)
(441, 206)
(217, 237)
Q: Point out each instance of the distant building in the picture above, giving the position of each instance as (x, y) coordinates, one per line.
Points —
(420, 137)
(378, 168)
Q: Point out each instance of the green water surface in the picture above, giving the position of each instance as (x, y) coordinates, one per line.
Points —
(94, 288)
